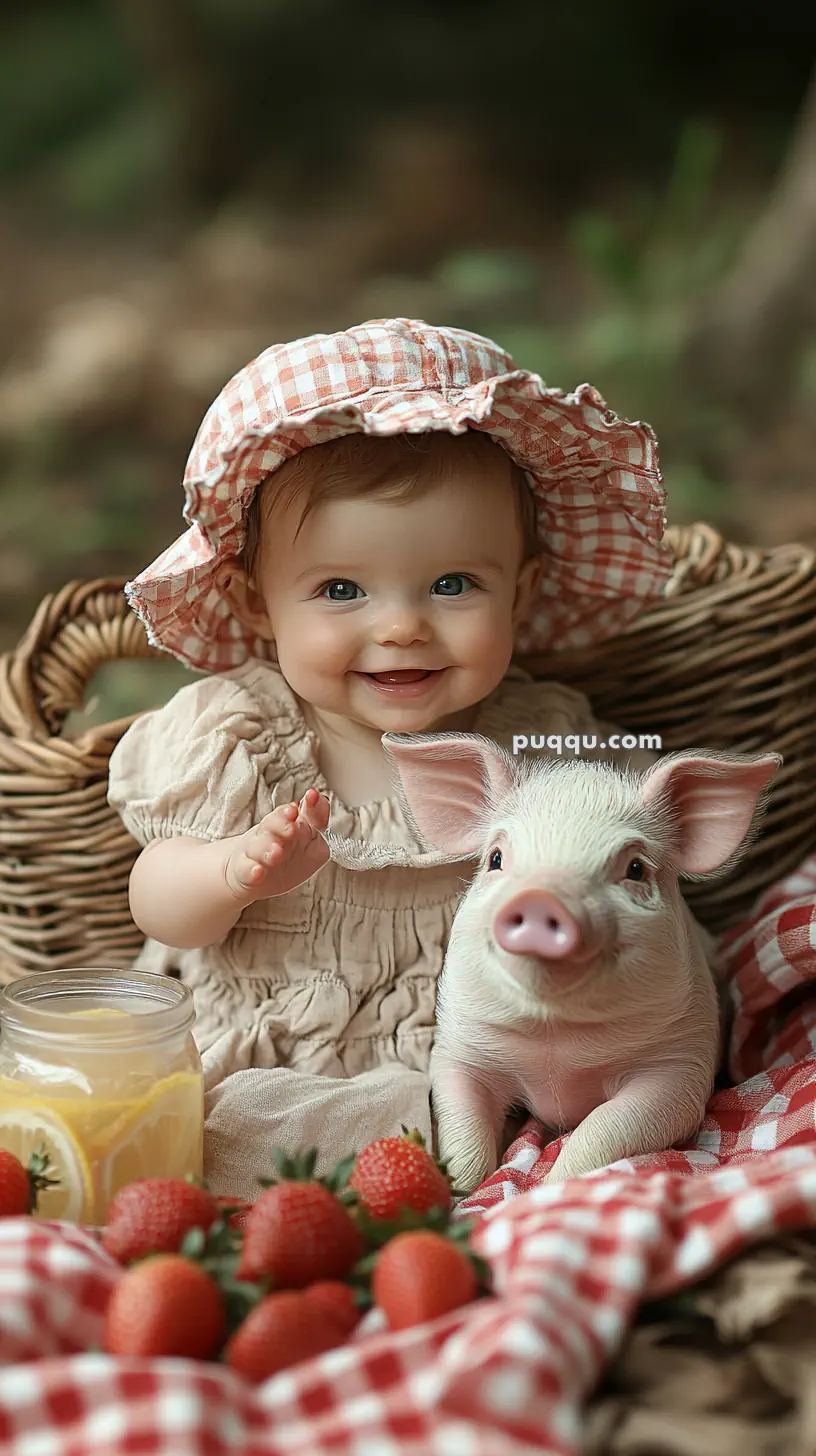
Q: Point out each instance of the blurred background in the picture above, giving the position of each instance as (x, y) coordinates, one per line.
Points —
(619, 191)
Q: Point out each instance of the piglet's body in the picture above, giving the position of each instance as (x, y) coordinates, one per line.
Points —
(575, 981)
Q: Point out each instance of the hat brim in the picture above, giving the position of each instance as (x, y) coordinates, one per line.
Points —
(596, 480)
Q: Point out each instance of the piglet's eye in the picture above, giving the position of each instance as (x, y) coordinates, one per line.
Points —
(636, 870)
(495, 861)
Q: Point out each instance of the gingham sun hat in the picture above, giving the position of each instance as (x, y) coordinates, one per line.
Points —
(595, 477)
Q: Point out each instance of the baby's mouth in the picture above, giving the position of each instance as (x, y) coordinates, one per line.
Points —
(401, 675)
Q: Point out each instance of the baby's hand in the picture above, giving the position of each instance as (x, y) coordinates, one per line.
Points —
(281, 852)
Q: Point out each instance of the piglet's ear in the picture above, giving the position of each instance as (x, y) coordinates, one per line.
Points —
(713, 800)
(448, 781)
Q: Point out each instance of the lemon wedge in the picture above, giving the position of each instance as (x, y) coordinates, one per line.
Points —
(161, 1136)
(27, 1130)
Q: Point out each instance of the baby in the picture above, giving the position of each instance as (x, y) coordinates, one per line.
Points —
(378, 521)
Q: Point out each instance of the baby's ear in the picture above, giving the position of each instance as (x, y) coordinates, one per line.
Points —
(528, 579)
(244, 599)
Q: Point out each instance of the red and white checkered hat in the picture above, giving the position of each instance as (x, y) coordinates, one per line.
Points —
(595, 477)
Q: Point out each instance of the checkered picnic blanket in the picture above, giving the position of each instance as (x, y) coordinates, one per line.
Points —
(571, 1263)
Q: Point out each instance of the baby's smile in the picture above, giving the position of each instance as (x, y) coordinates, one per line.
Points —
(407, 682)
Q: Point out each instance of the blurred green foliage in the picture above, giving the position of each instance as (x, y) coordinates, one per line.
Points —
(107, 104)
(64, 72)
(640, 278)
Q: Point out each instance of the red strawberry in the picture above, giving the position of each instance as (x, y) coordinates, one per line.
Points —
(165, 1306)
(15, 1189)
(339, 1301)
(19, 1186)
(297, 1233)
(395, 1173)
(152, 1216)
(282, 1330)
(235, 1211)
(421, 1275)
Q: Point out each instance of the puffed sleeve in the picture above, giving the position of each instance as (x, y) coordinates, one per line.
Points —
(204, 765)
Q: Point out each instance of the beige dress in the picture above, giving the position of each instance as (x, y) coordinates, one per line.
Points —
(315, 1014)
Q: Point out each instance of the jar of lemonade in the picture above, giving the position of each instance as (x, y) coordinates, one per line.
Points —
(100, 1070)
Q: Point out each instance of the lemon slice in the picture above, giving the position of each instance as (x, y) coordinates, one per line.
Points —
(161, 1138)
(24, 1131)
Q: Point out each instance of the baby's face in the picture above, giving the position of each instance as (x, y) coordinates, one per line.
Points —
(397, 615)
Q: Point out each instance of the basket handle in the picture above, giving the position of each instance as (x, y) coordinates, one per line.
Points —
(73, 632)
(702, 557)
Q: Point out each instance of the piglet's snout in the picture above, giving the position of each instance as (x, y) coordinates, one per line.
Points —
(536, 923)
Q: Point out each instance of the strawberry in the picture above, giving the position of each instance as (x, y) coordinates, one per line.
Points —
(282, 1330)
(165, 1306)
(15, 1189)
(398, 1173)
(297, 1233)
(153, 1215)
(235, 1211)
(338, 1299)
(19, 1186)
(421, 1275)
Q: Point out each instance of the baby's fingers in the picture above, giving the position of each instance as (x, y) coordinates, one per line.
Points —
(314, 808)
(249, 872)
(245, 871)
(265, 846)
(266, 843)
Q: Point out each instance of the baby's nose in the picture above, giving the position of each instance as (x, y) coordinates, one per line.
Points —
(404, 625)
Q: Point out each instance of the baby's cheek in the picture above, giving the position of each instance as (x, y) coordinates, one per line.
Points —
(484, 640)
(316, 647)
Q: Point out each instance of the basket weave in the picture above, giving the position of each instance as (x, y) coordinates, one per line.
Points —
(726, 660)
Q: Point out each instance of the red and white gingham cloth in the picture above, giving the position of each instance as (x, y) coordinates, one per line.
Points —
(595, 477)
(503, 1376)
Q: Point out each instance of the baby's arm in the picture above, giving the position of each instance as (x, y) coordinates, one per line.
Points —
(188, 892)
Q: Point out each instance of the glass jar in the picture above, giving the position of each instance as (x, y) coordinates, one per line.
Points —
(99, 1070)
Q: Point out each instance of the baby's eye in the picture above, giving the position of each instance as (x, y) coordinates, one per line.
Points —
(636, 870)
(340, 590)
(451, 586)
(495, 861)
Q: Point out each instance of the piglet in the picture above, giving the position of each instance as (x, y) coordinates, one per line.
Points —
(575, 981)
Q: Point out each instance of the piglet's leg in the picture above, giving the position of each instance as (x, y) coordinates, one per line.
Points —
(469, 1117)
(650, 1113)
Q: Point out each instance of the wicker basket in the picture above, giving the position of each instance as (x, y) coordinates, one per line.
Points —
(727, 660)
